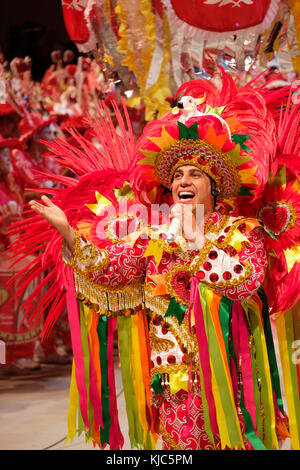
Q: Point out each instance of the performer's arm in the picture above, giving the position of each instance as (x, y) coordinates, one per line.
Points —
(117, 265)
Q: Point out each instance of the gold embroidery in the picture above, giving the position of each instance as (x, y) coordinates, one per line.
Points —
(159, 344)
(20, 337)
(169, 440)
(108, 313)
(212, 227)
(232, 282)
(171, 290)
(228, 235)
(185, 337)
(81, 255)
(198, 260)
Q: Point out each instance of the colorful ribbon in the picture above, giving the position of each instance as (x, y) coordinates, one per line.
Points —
(102, 330)
(228, 423)
(74, 321)
(205, 372)
(116, 439)
(252, 311)
(240, 347)
(286, 328)
(124, 338)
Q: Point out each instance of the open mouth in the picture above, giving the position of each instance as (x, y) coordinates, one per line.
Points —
(186, 195)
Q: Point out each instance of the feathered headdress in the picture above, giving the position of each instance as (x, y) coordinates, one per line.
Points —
(229, 134)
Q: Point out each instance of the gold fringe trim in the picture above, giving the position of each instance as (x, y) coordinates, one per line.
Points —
(156, 304)
(169, 369)
(130, 297)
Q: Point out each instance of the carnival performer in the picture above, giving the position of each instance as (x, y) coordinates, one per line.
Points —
(196, 349)
(19, 340)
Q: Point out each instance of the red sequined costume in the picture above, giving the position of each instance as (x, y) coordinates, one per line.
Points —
(196, 347)
(173, 342)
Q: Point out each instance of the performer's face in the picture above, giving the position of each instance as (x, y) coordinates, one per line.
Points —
(191, 186)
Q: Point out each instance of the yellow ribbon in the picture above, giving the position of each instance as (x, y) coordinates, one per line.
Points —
(252, 304)
(73, 405)
(284, 355)
(221, 420)
(138, 376)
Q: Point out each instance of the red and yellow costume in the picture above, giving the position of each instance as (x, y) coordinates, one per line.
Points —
(195, 341)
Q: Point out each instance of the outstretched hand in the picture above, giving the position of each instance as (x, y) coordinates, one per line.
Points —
(55, 216)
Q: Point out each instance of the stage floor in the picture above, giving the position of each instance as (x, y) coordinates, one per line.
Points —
(34, 411)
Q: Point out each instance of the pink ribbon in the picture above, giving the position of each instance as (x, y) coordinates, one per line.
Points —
(204, 353)
(241, 345)
(74, 322)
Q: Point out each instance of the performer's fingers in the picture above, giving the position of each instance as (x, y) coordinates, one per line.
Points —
(47, 201)
(36, 206)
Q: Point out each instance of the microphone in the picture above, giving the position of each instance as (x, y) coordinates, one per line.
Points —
(174, 229)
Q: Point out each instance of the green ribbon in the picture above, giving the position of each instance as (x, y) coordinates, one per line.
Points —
(124, 339)
(225, 312)
(156, 384)
(259, 421)
(254, 440)
(188, 132)
(86, 361)
(271, 349)
(267, 230)
(176, 309)
(102, 331)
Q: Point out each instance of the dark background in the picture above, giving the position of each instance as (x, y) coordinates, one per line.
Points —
(33, 28)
